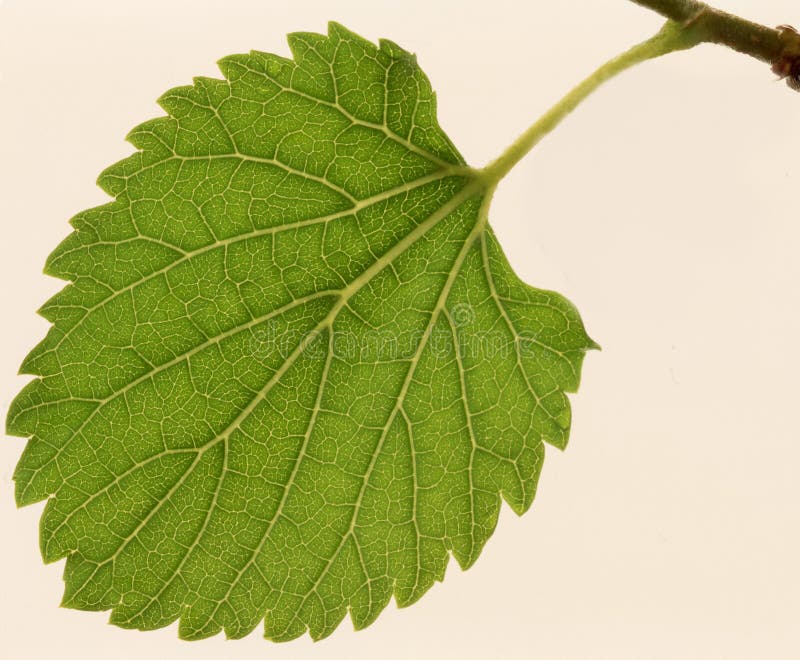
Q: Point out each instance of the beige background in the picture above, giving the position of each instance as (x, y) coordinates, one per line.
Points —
(666, 209)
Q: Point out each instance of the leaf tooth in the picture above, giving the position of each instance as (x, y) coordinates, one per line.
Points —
(329, 621)
(113, 179)
(156, 135)
(68, 306)
(55, 263)
(301, 44)
(233, 66)
(174, 101)
(189, 629)
(313, 75)
(363, 616)
(558, 436)
(285, 633)
(38, 475)
(88, 586)
(215, 90)
(30, 364)
(51, 266)
(20, 405)
(339, 32)
(467, 551)
(51, 548)
(270, 63)
(396, 52)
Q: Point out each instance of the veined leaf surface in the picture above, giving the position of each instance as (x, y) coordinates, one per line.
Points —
(292, 371)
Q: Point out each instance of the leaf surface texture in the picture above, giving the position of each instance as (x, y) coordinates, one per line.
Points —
(292, 371)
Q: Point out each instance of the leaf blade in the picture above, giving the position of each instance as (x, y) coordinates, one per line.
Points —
(267, 390)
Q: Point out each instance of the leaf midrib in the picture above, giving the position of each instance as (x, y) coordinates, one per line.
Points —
(455, 270)
(345, 295)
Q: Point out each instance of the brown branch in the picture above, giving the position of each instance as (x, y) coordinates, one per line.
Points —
(779, 47)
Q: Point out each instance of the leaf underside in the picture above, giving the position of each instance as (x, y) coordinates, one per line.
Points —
(292, 371)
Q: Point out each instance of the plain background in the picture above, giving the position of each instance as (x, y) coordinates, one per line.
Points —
(666, 208)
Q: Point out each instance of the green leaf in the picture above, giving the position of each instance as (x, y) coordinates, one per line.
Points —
(292, 371)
